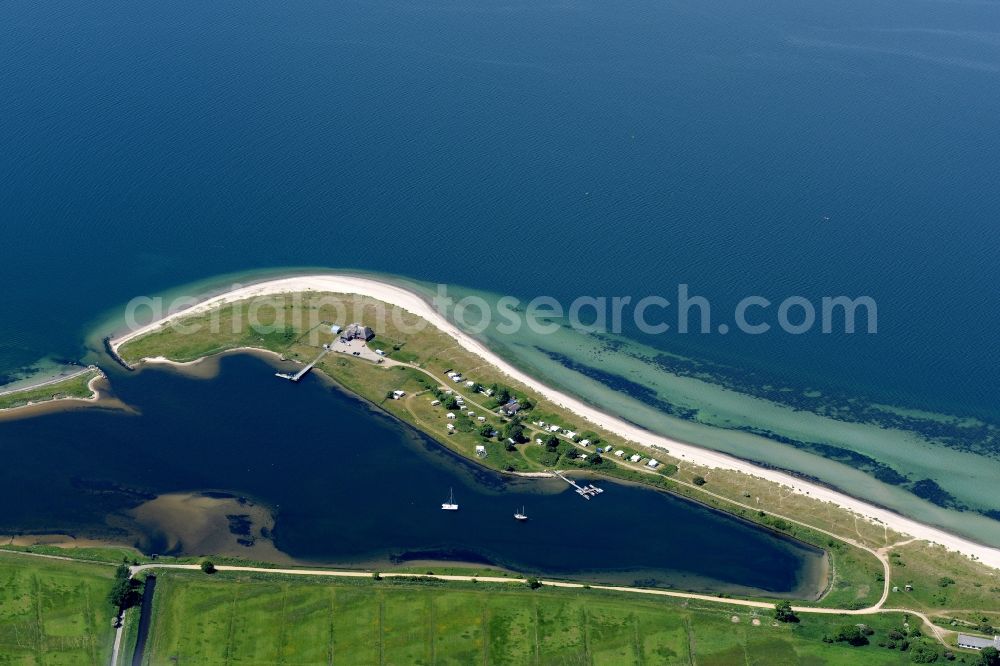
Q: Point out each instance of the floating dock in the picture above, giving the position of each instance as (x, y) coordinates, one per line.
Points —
(586, 492)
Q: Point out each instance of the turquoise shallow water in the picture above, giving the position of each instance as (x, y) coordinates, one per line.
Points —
(530, 148)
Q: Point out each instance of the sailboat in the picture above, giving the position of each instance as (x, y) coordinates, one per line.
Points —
(520, 515)
(450, 504)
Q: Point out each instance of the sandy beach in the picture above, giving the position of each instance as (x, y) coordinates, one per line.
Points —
(412, 302)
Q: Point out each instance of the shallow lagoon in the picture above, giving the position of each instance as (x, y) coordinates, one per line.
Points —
(350, 485)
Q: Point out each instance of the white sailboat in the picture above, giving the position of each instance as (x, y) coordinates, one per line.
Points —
(520, 515)
(450, 504)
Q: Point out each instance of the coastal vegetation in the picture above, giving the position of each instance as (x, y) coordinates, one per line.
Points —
(76, 386)
(419, 359)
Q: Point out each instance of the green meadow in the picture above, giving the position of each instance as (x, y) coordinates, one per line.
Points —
(54, 612)
(262, 619)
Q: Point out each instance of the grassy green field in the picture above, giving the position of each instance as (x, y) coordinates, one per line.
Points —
(54, 612)
(243, 619)
(75, 387)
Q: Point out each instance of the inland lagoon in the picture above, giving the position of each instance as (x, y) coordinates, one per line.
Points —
(309, 473)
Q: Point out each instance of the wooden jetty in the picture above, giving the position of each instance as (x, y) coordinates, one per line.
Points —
(586, 492)
(302, 373)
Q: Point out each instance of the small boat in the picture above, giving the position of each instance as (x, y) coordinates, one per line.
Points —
(520, 515)
(450, 504)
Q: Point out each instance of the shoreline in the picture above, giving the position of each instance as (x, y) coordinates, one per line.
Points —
(207, 367)
(412, 302)
(98, 398)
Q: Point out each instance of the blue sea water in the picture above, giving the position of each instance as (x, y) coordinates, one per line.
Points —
(564, 148)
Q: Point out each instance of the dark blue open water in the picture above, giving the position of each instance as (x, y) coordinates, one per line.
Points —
(567, 148)
(590, 147)
(350, 485)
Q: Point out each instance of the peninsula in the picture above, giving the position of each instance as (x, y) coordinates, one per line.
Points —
(154, 349)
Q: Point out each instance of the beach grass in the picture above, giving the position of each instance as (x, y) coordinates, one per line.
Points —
(233, 618)
(943, 581)
(54, 611)
(73, 387)
(856, 575)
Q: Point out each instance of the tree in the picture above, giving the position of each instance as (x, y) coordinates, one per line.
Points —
(699, 480)
(121, 593)
(534, 583)
(486, 432)
(595, 459)
(989, 656)
(515, 431)
(924, 654)
(783, 612)
(551, 442)
(207, 566)
(851, 634)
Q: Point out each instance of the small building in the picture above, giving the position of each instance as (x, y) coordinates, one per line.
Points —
(584, 442)
(457, 378)
(480, 451)
(470, 383)
(510, 440)
(652, 464)
(435, 403)
(397, 394)
(908, 587)
(451, 427)
(970, 642)
(619, 453)
(357, 332)
(380, 352)
(635, 457)
(481, 419)
(472, 413)
(538, 440)
(895, 588)
(450, 415)
(569, 433)
(335, 329)
(553, 428)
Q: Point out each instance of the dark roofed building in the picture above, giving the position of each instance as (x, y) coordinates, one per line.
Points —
(511, 408)
(357, 332)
